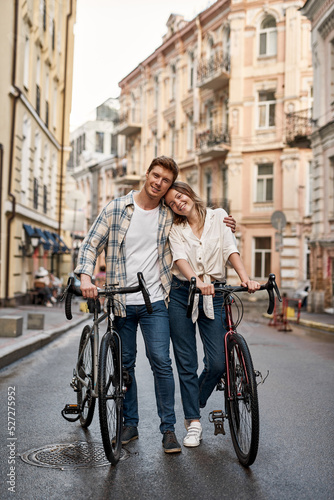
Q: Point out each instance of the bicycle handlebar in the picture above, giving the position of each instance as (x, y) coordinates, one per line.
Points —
(270, 286)
(111, 290)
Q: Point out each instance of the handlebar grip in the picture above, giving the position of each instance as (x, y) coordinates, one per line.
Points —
(191, 296)
(68, 292)
(145, 293)
(271, 301)
(68, 311)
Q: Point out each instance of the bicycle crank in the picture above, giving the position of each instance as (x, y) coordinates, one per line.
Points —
(217, 417)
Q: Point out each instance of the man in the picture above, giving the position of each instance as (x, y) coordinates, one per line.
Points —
(134, 229)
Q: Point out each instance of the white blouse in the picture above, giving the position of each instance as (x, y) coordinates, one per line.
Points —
(207, 255)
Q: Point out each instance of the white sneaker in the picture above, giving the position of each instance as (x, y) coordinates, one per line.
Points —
(194, 436)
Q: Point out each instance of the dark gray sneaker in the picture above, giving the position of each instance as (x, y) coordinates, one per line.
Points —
(129, 434)
(170, 443)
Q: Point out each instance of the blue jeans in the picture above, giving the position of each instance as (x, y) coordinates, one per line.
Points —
(195, 390)
(156, 334)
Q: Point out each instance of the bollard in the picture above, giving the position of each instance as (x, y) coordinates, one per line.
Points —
(36, 321)
(11, 326)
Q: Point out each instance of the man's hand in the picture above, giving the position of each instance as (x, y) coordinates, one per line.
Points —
(230, 222)
(89, 291)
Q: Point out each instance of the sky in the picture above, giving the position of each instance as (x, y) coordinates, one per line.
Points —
(111, 38)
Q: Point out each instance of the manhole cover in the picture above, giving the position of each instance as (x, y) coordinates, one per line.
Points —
(69, 456)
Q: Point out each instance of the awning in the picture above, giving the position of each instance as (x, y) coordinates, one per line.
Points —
(43, 239)
(50, 241)
(30, 231)
(63, 247)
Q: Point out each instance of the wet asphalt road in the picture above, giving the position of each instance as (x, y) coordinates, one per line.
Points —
(295, 459)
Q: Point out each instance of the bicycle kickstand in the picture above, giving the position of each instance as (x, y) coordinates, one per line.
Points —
(217, 417)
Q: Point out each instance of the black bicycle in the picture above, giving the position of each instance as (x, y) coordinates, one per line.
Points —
(99, 373)
(239, 381)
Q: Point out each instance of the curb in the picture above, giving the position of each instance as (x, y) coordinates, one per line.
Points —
(308, 323)
(13, 353)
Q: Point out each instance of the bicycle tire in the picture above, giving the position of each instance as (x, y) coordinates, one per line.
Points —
(110, 398)
(243, 407)
(85, 371)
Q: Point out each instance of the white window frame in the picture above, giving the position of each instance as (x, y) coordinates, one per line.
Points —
(308, 189)
(270, 39)
(264, 178)
(25, 161)
(265, 105)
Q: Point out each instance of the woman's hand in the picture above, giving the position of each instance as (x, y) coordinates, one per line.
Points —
(251, 285)
(230, 222)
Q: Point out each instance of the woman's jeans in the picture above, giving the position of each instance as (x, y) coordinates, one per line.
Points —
(195, 390)
(156, 334)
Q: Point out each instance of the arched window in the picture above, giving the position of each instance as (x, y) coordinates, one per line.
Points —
(268, 37)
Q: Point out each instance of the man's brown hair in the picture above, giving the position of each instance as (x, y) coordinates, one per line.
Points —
(167, 163)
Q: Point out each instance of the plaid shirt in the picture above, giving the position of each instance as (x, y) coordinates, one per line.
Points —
(108, 232)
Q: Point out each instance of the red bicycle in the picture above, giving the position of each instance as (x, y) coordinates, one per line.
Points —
(239, 381)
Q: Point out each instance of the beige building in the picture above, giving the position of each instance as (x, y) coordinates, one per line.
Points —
(218, 95)
(321, 15)
(36, 38)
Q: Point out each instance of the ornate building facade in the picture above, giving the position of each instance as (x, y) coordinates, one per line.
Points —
(223, 94)
(37, 40)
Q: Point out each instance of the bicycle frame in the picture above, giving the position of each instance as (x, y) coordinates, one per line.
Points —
(230, 331)
(96, 341)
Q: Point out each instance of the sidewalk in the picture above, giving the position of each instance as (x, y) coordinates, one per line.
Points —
(55, 323)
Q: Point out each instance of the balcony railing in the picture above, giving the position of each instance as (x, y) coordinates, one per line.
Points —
(214, 72)
(299, 128)
(128, 123)
(213, 141)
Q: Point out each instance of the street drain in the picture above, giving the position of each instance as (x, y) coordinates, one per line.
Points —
(69, 456)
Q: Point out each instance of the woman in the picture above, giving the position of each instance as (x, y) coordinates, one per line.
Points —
(201, 245)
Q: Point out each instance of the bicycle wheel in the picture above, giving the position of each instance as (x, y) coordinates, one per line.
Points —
(110, 398)
(85, 372)
(243, 406)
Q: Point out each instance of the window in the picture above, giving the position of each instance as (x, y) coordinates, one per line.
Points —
(173, 82)
(156, 92)
(54, 110)
(308, 189)
(191, 70)
(265, 182)
(331, 69)
(190, 133)
(268, 37)
(45, 199)
(210, 116)
(44, 15)
(53, 34)
(99, 140)
(172, 139)
(35, 201)
(208, 185)
(262, 257)
(113, 144)
(266, 109)
(26, 63)
(155, 144)
(25, 163)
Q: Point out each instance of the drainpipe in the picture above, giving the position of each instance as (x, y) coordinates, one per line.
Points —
(68, 17)
(16, 95)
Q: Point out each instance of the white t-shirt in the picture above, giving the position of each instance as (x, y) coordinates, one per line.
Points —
(141, 250)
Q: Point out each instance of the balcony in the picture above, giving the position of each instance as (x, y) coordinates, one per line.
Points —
(127, 173)
(214, 72)
(299, 129)
(128, 123)
(213, 142)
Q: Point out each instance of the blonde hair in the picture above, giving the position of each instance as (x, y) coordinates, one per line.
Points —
(184, 188)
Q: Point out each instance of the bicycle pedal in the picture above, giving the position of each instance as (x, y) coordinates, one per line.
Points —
(217, 418)
(71, 409)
